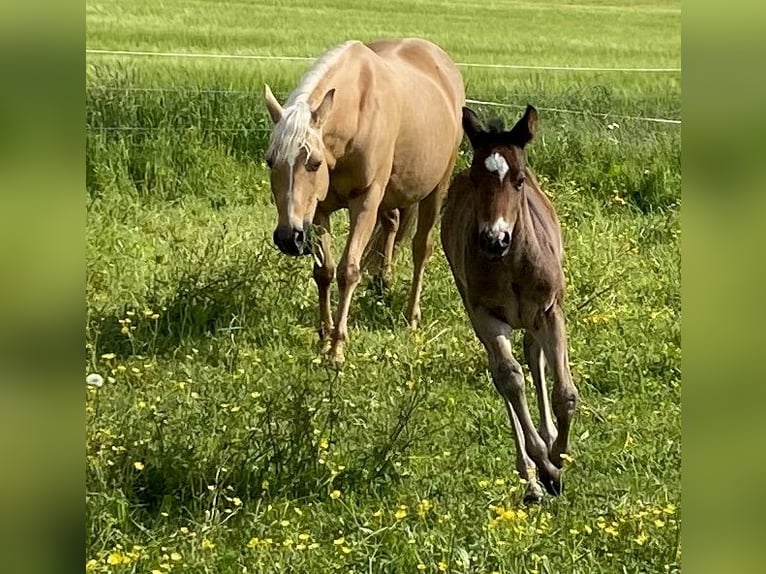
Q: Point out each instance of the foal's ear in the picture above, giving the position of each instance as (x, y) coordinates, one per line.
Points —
(525, 129)
(272, 105)
(472, 126)
(319, 115)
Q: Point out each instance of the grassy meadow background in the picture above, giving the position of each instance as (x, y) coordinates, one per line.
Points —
(221, 442)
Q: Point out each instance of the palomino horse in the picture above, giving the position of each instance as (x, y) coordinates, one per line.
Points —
(374, 128)
(503, 242)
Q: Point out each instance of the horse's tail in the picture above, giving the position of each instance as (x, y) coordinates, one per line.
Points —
(372, 258)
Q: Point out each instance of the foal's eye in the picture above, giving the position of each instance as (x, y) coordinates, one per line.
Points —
(313, 164)
(520, 182)
(269, 163)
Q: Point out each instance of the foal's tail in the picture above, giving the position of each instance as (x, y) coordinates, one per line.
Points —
(372, 258)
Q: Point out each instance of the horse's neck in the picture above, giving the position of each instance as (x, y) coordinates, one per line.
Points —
(338, 131)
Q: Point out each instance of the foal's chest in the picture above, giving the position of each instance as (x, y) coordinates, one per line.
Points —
(517, 297)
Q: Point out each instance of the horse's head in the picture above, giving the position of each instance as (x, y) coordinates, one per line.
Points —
(498, 173)
(299, 174)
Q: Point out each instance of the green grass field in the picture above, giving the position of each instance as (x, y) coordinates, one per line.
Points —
(221, 442)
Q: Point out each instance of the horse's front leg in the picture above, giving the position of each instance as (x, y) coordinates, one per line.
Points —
(324, 273)
(363, 212)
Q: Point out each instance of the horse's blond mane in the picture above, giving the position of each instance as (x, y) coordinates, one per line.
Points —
(294, 131)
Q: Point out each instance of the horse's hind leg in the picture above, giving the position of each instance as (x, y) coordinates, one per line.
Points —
(422, 247)
(536, 361)
(389, 221)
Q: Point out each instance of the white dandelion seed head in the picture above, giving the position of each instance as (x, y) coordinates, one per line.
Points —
(94, 380)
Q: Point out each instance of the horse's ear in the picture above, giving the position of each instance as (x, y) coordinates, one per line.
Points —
(472, 126)
(525, 129)
(319, 115)
(272, 105)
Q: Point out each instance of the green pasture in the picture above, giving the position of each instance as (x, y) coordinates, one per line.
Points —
(221, 441)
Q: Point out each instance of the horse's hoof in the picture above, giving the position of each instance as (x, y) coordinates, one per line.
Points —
(337, 355)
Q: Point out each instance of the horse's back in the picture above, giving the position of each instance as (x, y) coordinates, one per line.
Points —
(425, 95)
(421, 57)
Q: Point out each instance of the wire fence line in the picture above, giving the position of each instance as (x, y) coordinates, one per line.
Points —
(145, 53)
(489, 103)
(605, 115)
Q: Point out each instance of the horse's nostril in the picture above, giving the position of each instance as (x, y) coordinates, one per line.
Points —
(505, 239)
(299, 236)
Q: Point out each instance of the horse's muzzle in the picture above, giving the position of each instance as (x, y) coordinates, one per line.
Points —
(495, 244)
(291, 241)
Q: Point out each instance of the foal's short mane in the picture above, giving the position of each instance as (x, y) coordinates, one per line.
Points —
(294, 131)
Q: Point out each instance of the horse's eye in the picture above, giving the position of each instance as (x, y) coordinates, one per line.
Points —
(520, 182)
(313, 164)
(269, 163)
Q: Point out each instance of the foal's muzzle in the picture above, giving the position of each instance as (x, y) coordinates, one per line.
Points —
(291, 241)
(495, 244)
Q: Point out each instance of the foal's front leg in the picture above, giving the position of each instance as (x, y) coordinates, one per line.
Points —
(363, 214)
(509, 381)
(533, 352)
(552, 337)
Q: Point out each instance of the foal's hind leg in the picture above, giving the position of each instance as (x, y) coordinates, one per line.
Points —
(536, 361)
(552, 336)
(422, 247)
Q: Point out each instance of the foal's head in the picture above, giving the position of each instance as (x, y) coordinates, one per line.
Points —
(299, 173)
(498, 173)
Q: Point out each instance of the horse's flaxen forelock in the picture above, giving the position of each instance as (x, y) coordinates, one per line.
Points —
(294, 133)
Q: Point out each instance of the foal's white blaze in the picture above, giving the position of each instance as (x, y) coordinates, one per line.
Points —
(495, 163)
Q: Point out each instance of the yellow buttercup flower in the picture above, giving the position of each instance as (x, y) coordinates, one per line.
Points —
(116, 558)
(400, 514)
(335, 494)
(138, 465)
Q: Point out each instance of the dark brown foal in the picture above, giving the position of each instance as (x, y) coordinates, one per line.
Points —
(503, 242)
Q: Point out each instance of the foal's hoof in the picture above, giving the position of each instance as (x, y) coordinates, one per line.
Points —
(533, 494)
(552, 482)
